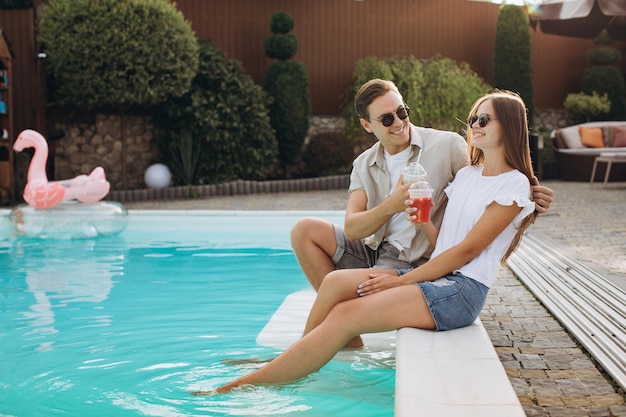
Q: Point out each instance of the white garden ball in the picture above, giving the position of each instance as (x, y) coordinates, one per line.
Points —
(157, 176)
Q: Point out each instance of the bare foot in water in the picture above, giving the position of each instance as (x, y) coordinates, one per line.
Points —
(204, 393)
(219, 390)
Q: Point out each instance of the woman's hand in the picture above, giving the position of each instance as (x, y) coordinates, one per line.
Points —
(378, 282)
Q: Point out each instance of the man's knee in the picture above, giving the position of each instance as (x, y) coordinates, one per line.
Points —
(311, 229)
(299, 230)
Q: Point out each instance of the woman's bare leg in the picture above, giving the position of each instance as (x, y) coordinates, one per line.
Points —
(339, 286)
(388, 310)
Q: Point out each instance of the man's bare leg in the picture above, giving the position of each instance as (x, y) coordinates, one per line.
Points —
(314, 244)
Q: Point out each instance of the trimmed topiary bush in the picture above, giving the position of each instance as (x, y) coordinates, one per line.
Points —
(603, 56)
(605, 78)
(220, 130)
(281, 46)
(281, 23)
(513, 56)
(288, 84)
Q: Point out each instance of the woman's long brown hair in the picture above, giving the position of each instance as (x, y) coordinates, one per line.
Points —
(510, 110)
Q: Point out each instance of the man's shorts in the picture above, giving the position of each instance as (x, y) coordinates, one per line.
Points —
(352, 254)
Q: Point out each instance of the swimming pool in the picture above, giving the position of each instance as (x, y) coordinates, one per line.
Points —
(128, 325)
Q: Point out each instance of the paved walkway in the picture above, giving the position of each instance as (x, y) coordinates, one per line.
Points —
(551, 374)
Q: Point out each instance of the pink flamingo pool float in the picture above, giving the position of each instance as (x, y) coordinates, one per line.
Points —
(41, 193)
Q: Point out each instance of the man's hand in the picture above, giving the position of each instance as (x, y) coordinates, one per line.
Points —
(399, 195)
(542, 196)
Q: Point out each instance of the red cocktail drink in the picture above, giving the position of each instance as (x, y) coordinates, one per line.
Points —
(423, 205)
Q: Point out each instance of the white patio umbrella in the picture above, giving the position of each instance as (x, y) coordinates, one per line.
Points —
(579, 18)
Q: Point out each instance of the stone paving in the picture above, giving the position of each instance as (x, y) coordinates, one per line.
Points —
(551, 374)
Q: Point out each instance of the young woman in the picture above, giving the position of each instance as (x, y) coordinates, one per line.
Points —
(488, 210)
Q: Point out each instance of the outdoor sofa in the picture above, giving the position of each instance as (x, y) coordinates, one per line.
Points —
(576, 148)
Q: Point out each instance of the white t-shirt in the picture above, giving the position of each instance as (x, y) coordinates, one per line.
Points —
(400, 232)
(468, 197)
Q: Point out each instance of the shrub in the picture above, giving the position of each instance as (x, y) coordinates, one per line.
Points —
(328, 153)
(117, 54)
(288, 85)
(410, 79)
(365, 70)
(222, 121)
(439, 91)
(281, 23)
(607, 80)
(450, 88)
(604, 38)
(281, 46)
(513, 60)
(114, 53)
(587, 106)
(603, 56)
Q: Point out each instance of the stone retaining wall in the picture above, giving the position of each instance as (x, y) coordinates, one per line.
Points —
(550, 119)
(86, 146)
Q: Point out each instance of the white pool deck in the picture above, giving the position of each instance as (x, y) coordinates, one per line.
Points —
(454, 373)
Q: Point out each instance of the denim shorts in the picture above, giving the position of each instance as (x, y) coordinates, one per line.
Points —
(454, 300)
(355, 254)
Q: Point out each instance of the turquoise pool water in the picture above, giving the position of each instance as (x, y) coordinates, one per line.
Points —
(128, 325)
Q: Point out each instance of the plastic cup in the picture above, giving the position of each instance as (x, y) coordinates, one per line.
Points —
(421, 198)
(412, 173)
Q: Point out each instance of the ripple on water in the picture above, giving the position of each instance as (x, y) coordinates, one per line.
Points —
(122, 329)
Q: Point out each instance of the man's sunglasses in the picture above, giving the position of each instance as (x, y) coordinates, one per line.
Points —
(387, 119)
(483, 119)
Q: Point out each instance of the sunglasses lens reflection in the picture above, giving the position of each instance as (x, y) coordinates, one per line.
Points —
(483, 119)
(387, 119)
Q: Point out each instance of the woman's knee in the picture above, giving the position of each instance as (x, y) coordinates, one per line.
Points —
(332, 280)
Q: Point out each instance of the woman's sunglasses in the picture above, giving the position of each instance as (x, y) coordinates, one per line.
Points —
(483, 119)
(387, 119)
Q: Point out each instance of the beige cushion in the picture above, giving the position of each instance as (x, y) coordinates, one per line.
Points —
(571, 137)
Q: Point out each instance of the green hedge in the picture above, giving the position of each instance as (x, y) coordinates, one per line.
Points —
(513, 56)
(439, 91)
(220, 130)
(117, 53)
